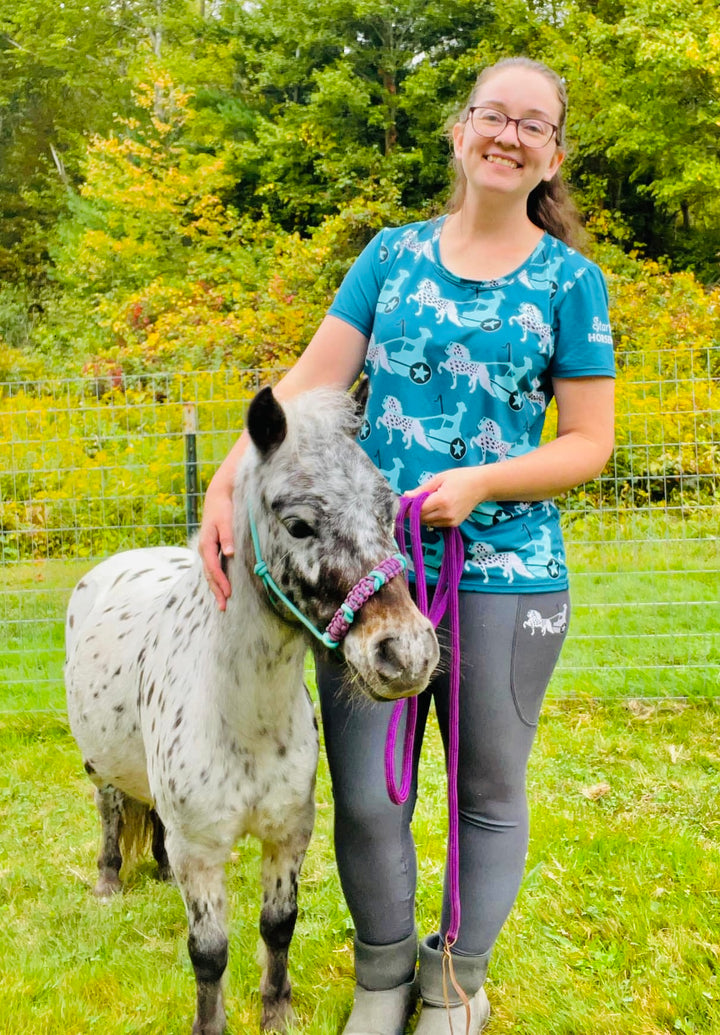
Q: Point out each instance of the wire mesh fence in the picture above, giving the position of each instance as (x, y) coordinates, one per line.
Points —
(93, 465)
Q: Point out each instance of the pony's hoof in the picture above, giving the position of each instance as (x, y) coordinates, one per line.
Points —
(106, 888)
(277, 1015)
(215, 1027)
(166, 875)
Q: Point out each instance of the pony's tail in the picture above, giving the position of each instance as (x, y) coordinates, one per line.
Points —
(136, 831)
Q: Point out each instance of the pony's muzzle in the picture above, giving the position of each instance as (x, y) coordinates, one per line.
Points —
(394, 662)
(405, 664)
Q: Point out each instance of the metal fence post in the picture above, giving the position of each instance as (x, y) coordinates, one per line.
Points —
(190, 424)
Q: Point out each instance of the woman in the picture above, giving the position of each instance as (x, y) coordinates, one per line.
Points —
(467, 326)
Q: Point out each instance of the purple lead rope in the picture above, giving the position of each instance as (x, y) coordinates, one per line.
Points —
(445, 598)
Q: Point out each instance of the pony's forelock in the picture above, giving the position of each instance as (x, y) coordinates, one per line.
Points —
(322, 413)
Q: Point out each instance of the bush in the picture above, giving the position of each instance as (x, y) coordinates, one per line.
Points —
(89, 468)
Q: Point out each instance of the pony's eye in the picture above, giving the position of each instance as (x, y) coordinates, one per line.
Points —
(298, 528)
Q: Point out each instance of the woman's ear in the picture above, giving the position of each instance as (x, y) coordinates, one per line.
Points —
(557, 160)
(458, 133)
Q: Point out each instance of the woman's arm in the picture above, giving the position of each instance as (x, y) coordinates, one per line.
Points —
(333, 359)
(584, 442)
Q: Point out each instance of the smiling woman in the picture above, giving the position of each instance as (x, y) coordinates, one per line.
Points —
(548, 204)
(467, 326)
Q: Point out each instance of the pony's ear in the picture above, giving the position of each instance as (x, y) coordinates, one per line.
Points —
(266, 422)
(360, 398)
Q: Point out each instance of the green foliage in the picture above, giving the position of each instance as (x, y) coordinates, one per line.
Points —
(667, 331)
(157, 270)
(309, 106)
(149, 206)
(69, 447)
(18, 365)
(352, 107)
(645, 103)
(208, 218)
(66, 72)
(666, 328)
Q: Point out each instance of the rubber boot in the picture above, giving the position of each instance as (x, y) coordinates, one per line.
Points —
(386, 989)
(443, 1010)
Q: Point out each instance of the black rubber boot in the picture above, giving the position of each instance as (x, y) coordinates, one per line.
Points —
(443, 1010)
(386, 989)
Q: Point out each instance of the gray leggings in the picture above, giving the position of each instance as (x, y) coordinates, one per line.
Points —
(510, 644)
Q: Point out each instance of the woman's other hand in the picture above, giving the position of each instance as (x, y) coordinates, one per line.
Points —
(453, 495)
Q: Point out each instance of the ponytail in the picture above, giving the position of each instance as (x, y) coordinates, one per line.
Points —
(551, 207)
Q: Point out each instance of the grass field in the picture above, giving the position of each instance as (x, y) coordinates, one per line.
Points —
(617, 926)
(616, 929)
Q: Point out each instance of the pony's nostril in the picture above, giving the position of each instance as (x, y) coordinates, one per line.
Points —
(387, 658)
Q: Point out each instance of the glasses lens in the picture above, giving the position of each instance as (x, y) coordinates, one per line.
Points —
(531, 132)
(534, 132)
(488, 122)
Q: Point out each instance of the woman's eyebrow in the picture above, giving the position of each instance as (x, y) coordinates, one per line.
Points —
(540, 112)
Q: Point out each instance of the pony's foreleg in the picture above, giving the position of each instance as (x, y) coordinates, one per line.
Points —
(200, 874)
(280, 869)
(109, 803)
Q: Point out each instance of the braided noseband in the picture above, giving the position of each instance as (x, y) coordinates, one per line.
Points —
(341, 621)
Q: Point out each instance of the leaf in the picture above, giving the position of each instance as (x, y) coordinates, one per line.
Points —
(640, 709)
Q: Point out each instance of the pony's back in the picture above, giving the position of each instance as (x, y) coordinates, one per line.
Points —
(147, 569)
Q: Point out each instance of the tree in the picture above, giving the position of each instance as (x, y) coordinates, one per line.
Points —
(646, 85)
(345, 110)
(66, 71)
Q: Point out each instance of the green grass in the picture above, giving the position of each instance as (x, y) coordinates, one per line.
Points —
(616, 926)
(646, 617)
(33, 598)
(615, 929)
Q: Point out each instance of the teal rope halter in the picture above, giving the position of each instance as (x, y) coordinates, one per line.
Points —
(339, 625)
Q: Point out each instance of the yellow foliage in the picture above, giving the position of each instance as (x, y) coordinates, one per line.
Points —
(94, 464)
(667, 332)
(87, 467)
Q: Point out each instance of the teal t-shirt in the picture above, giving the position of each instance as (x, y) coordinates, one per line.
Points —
(461, 374)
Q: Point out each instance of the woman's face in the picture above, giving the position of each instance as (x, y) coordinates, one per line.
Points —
(503, 163)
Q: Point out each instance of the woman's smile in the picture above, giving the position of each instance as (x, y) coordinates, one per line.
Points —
(505, 160)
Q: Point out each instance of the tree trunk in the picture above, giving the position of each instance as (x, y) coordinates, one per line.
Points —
(390, 86)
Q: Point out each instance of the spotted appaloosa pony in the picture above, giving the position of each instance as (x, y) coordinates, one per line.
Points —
(199, 719)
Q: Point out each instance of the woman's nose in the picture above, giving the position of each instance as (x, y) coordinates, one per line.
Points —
(508, 134)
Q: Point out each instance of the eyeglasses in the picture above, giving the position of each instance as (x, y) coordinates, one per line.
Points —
(531, 132)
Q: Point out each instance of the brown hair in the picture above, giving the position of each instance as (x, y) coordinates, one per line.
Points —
(549, 205)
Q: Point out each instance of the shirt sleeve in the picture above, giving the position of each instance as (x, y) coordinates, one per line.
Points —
(583, 338)
(357, 296)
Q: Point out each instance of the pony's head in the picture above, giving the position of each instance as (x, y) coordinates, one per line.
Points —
(325, 518)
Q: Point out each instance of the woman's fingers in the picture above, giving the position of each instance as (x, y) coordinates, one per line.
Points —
(214, 543)
(218, 582)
